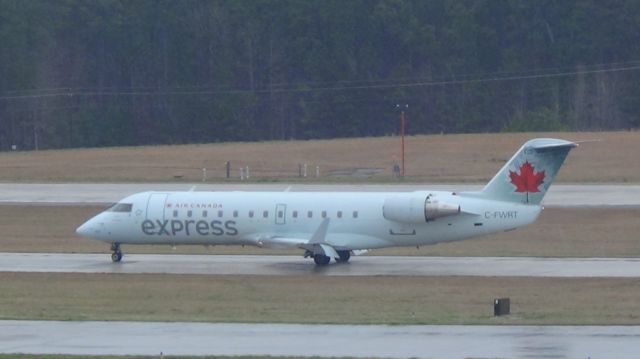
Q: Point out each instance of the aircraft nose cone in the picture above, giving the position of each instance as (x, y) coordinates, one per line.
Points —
(85, 229)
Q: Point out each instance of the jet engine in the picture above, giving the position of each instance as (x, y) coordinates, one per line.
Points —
(417, 209)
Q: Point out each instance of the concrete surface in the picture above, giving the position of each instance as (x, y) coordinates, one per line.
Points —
(292, 265)
(443, 342)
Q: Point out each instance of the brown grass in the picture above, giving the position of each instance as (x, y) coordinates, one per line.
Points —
(311, 299)
(581, 232)
(436, 158)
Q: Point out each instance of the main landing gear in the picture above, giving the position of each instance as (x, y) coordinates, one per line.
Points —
(116, 253)
(323, 260)
(344, 256)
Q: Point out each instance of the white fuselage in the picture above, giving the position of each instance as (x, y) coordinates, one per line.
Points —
(356, 220)
(335, 224)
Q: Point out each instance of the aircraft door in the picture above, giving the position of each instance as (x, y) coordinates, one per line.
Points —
(156, 205)
(281, 213)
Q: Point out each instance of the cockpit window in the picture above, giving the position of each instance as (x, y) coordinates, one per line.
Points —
(121, 207)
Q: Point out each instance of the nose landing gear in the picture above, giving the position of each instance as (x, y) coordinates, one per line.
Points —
(116, 253)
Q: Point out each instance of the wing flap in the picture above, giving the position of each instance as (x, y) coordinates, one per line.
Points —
(280, 242)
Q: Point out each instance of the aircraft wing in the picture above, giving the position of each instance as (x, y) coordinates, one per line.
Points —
(275, 241)
(315, 244)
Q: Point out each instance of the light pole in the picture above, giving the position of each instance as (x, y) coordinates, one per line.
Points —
(402, 109)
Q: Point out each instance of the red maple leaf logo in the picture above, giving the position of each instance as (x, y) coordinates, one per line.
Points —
(527, 180)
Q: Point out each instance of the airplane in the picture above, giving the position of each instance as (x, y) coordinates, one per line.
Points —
(328, 225)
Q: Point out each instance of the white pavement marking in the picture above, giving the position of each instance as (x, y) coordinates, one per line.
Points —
(291, 265)
(561, 195)
(425, 341)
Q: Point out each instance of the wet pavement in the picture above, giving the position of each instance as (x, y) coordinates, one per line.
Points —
(294, 265)
(425, 341)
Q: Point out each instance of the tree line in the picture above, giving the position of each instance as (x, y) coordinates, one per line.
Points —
(87, 73)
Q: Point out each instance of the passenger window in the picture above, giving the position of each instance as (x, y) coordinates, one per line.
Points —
(324, 214)
(310, 214)
(339, 214)
(235, 214)
(265, 214)
(175, 213)
(355, 214)
(280, 214)
(250, 214)
(204, 214)
(121, 207)
(189, 214)
(295, 214)
(220, 213)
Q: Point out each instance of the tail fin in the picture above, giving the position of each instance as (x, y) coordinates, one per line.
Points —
(526, 177)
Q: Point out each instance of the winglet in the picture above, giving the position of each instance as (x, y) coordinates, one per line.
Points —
(317, 243)
(321, 232)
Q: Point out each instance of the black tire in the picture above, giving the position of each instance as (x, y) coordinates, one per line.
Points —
(344, 256)
(321, 259)
(116, 256)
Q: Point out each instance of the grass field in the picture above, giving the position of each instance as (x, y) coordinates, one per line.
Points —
(311, 299)
(432, 159)
(575, 232)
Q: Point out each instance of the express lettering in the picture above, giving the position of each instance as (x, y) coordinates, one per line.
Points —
(188, 227)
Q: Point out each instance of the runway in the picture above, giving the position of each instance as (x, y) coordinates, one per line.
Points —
(559, 195)
(442, 341)
(293, 265)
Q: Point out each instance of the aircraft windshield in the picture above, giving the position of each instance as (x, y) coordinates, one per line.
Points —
(121, 207)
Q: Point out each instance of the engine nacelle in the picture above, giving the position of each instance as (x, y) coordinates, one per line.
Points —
(411, 208)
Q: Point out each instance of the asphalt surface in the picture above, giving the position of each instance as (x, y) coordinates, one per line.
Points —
(560, 195)
(292, 265)
(442, 341)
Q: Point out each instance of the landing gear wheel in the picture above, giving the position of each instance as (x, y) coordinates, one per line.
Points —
(116, 255)
(344, 256)
(321, 259)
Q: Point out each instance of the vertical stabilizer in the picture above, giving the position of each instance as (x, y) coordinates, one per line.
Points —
(526, 177)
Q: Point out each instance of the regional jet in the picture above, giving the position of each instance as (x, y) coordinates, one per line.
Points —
(327, 225)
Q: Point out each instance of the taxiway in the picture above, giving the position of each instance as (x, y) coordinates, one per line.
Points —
(428, 341)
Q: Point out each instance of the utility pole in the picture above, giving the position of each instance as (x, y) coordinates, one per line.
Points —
(402, 109)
